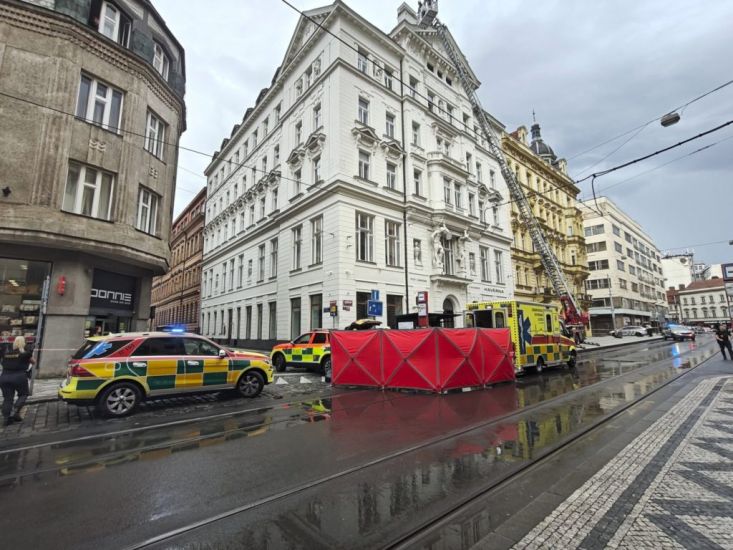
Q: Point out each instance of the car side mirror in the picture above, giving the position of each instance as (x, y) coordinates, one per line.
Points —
(222, 354)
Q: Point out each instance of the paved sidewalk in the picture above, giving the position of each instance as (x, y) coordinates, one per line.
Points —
(671, 487)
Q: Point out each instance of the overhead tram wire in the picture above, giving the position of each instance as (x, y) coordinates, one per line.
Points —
(209, 156)
(237, 166)
(700, 150)
(242, 164)
(584, 170)
(647, 123)
(655, 153)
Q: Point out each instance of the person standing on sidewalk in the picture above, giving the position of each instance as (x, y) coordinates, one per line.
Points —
(722, 335)
(14, 378)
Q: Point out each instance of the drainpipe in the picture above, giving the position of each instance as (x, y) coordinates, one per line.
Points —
(404, 182)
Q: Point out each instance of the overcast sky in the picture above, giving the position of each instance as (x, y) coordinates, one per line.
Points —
(590, 70)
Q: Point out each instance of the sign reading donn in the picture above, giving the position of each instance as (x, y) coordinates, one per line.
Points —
(111, 290)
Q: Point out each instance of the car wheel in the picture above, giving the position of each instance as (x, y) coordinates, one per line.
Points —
(540, 365)
(119, 399)
(640, 334)
(279, 362)
(326, 368)
(250, 384)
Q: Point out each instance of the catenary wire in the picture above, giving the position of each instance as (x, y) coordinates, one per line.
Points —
(632, 136)
(700, 150)
(655, 153)
(529, 194)
(306, 187)
(647, 123)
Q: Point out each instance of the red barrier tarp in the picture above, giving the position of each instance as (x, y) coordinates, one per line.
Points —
(433, 359)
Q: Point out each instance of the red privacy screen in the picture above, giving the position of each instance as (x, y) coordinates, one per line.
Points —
(433, 359)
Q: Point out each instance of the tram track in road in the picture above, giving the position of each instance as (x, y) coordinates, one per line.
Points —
(130, 443)
(181, 531)
(407, 540)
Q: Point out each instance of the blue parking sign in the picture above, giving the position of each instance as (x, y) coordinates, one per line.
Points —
(374, 308)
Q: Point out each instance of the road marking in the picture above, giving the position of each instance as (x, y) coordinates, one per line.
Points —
(304, 380)
(281, 381)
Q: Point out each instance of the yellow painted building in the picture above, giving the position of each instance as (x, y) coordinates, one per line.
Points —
(553, 196)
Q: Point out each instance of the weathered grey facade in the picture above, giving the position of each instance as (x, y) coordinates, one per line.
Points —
(91, 111)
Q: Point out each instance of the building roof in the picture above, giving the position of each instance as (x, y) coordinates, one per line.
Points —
(704, 285)
(540, 148)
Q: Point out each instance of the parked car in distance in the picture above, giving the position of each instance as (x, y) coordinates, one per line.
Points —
(629, 330)
(678, 333)
(116, 372)
(311, 350)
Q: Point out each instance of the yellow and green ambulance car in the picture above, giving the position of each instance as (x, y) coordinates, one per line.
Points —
(311, 350)
(116, 372)
(535, 331)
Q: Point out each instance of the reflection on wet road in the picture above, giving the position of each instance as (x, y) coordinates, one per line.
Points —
(350, 470)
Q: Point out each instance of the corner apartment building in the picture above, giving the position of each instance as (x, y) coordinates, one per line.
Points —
(360, 168)
(626, 282)
(91, 113)
(553, 197)
(176, 296)
(705, 303)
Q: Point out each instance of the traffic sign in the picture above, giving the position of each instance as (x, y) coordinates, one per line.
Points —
(374, 308)
(375, 295)
(727, 272)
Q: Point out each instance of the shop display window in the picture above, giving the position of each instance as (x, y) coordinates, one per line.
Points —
(21, 294)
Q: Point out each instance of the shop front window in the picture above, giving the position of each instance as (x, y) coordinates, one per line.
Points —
(21, 298)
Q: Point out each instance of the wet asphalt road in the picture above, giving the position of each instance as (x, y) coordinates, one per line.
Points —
(353, 468)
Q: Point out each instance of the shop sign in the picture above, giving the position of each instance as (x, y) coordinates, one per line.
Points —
(111, 290)
(727, 272)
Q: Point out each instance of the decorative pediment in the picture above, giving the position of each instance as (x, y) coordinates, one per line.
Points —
(272, 177)
(365, 136)
(307, 25)
(314, 143)
(492, 194)
(296, 157)
(393, 149)
(442, 130)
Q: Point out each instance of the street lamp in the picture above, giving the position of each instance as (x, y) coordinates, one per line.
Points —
(670, 118)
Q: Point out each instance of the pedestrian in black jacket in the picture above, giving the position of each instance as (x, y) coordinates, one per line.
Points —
(722, 335)
(14, 378)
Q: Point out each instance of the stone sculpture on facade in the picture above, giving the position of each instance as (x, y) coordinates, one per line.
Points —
(440, 233)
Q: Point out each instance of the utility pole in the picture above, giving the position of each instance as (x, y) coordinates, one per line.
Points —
(613, 311)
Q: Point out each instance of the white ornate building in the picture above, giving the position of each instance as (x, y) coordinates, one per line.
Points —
(342, 180)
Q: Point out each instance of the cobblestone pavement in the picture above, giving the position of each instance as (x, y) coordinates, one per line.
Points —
(672, 487)
(48, 414)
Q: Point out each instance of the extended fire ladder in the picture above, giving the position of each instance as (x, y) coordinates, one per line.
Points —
(427, 17)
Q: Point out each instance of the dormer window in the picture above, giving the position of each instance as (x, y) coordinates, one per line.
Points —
(111, 22)
(160, 60)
